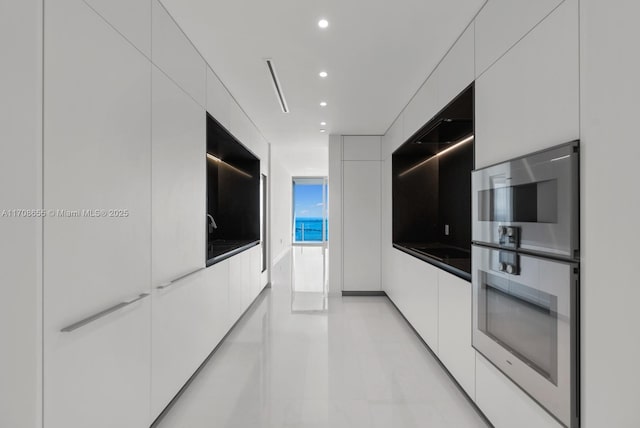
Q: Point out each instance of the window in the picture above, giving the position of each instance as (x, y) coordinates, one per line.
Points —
(310, 223)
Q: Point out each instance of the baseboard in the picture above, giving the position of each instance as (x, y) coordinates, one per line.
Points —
(364, 293)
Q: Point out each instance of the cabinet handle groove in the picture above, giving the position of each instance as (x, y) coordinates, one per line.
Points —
(170, 283)
(102, 314)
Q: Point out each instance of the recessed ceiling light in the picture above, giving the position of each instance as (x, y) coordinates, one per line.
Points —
(323, 104)
(323, 23)
(323, 130)
(323, 123)
(323, 74)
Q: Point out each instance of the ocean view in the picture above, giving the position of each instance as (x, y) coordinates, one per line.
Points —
(310, 229)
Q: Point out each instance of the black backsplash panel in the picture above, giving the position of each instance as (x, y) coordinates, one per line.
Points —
(233, 186)
(454, 207)
(431, 187)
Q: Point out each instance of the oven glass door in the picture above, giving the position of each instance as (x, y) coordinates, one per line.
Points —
(524, 323)
(521, 319)
(536, 197)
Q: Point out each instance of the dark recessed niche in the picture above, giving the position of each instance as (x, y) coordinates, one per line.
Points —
(233, 194)
(432, 188)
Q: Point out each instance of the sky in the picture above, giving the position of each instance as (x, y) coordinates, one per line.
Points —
(308, 200)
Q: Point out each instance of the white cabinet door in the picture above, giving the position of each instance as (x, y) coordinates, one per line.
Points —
(174, 54)
(255, 266)
(217, 281)
(361, 147)
(528, 100)
(420, 109)
(421, 304)
(501, 23)
(183, 319)
(456, 71)
(97, 156)
(98, 375)
(132, 18)
(179, 181)
(454, 330)
(361, 225)
(218, 100)
(236, 298)
(504, 403)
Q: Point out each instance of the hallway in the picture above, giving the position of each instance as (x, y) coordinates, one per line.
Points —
(357, 364)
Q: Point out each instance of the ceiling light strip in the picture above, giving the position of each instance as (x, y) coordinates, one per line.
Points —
(276, 87)
(448, 149)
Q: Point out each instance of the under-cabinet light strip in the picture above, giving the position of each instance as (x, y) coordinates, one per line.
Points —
(215, 159)
(448, 149)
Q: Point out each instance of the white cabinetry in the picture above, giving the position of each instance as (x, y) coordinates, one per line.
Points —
(361, 147)
(504, 403)
(416, 295)
(97, 156)
(454, 330)
(218, 100)
(501, 23)
(132, 19)
(528, 100)
(423, 106)
(181, 335)
(174, 54)
(456, 71)
(361, 225)
(178, 181)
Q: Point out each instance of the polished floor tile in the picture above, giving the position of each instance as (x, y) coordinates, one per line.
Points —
(347, 362)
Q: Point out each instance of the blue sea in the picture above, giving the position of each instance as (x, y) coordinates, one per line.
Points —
(310, 229)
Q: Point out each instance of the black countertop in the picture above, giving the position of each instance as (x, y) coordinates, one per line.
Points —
(221, 249)
(456, 261)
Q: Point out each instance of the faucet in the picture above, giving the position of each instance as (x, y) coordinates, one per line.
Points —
(212, 223)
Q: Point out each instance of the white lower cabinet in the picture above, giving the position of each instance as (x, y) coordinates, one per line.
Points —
(181, 339)
(415, 293)
(98, 375)
(454, 330)
(504, 403)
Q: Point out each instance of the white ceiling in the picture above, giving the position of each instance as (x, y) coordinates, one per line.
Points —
(377, 54)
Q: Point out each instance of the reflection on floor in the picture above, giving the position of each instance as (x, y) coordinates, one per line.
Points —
(357, 364)
(309, 279)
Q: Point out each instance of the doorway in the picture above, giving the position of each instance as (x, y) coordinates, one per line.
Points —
(310, 233)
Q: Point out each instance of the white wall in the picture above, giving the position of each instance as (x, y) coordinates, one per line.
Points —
(281, 194)
(20, 188)
(609, 72)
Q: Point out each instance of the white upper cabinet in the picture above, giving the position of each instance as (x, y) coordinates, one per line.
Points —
(361, 225)
(174, 54)
(218, 100)
(361, 147)
(393, 138)
(132, 19)
(456, 71)
(179, 181)
(529, 99)
(97, 157)
(501, 23)
(420, 109)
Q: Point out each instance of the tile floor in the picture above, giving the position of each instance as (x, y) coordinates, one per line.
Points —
(355, 364)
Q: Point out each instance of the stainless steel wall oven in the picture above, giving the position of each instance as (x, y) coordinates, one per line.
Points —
(525, 274)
